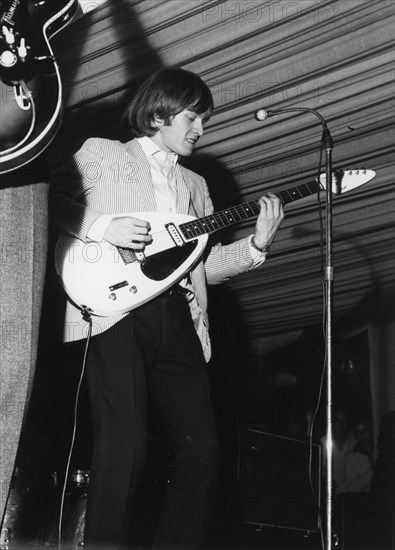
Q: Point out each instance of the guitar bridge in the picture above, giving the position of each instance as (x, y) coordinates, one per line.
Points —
(130, 256)
(175, 234)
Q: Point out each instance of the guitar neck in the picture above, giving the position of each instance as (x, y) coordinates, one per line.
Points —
(241, 212)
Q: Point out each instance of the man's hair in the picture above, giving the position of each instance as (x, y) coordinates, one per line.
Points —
(165, 94)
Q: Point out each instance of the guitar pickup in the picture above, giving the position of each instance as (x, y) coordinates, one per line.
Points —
(118, 286)
(175, 234)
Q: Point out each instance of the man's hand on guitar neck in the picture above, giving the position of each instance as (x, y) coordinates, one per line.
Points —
(128, 232)
(268, 222)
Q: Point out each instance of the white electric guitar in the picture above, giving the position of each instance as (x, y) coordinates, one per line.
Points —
(108, 280)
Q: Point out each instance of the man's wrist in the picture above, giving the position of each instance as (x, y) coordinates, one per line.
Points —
(263, 249)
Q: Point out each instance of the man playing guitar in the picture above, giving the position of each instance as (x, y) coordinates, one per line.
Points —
(158, 351)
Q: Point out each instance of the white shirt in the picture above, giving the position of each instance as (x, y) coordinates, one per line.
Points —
(163, 178)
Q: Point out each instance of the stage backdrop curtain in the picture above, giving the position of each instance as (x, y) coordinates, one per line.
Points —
(332, 55)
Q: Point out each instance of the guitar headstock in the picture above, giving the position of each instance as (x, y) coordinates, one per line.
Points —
(347, 180)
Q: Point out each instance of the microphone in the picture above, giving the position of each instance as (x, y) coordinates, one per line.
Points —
(262, 114)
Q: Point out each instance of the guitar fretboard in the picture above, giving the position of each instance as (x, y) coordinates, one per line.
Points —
(235, 214)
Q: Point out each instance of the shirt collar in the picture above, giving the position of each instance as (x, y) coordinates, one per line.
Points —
(150, 148)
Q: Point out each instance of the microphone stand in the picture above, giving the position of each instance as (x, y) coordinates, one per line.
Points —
(327, 145)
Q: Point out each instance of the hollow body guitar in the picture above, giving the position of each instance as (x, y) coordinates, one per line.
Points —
(108, 280)
(30, 83)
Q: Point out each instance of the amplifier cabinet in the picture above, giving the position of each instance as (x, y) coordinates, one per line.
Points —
(279, 481)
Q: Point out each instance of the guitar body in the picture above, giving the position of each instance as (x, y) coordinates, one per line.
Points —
(98, 277)
(30, 84)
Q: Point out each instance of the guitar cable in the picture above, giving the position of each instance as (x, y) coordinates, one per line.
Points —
(29, 96)
(87, 317)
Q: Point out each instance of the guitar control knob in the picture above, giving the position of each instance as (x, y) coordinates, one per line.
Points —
(133, 289)
(112, 296)
(8, 59)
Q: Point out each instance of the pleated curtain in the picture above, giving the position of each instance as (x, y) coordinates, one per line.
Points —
(335, 56)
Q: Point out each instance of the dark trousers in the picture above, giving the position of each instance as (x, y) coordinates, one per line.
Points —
(153, 352)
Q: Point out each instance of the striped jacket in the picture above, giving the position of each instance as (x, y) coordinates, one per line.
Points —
(111, 177)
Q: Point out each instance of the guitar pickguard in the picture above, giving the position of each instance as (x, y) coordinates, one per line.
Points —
(162, 264)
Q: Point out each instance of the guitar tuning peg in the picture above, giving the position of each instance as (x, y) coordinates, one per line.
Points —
(8, 35)
(22, 50)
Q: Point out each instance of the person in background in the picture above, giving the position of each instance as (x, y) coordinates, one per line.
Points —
(344, 441)
(359, 461)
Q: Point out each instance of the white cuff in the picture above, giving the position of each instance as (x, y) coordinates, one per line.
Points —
(257, 257)
(99, 227)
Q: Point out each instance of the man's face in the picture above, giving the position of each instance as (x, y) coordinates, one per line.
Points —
(181, 135)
